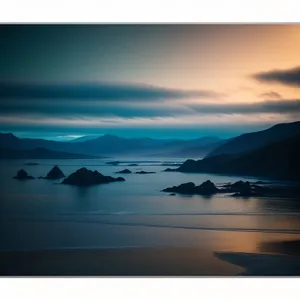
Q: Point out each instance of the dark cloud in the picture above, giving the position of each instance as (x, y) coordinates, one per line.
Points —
(66, 101)
(93, 100)
(73, 109)
(289, 76)
(96, 91)
(286, 106)
(270, 95)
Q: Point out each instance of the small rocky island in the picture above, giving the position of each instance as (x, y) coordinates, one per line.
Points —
(85, 177)
(242, 189)
(125, 171)
(237, 189)
(55, 173)
(206, 188)
(22, 175)
(144, 172)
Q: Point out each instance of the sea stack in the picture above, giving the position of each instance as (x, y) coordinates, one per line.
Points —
(22, 174)
(55, 173)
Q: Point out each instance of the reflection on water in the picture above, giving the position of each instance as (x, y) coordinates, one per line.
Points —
(82, 198)
(135, 212)
(291, 247)
(281, 205)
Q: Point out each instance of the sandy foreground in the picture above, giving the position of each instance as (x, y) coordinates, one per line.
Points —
(255, 264)
(115, 262)
(151, 262)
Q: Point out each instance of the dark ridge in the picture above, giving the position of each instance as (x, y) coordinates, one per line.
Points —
(280, 160)
(251, 141)
(39, 153)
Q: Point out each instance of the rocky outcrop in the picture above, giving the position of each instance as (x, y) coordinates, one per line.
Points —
(144, 172)
(55, 173)
(39, 153)
(125, 171)
(22, 175)
(184, 188)
(240, 188)
(243, 189)
(85, 177)
(206, 188)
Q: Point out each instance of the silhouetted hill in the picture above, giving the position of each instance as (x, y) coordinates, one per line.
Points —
(39, 153)
(279, 160)
(12, 142)
(111, 145)
(255, 140)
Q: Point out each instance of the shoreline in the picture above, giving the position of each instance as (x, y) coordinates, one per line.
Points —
(115, 262)
(279, 259)
(263, 264)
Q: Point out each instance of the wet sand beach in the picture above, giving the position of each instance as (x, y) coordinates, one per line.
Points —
(115, 262)
(152, 262)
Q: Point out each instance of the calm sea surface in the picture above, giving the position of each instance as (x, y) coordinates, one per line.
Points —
(43, 214)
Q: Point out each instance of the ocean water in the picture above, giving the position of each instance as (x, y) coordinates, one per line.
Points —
(43, 214)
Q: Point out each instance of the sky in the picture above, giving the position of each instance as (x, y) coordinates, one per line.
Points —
(163, 81)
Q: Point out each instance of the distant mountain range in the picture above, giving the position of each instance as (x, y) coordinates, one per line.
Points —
(40, 153)
(272, 153)
(110, 145)
(258, 153)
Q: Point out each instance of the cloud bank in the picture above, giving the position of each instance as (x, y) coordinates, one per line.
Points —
(88, 108)
(283, 106)
(126, 101)
(96, 91)
(289, 77)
